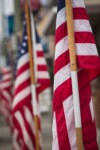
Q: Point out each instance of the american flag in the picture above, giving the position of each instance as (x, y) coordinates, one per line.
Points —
(6, 91)
(22, 104)
(43, 78)
(64, 134)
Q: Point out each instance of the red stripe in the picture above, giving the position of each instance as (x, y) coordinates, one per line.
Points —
(7, 71)
(5, 97)
(61, 32)
(84, 62)
(64, 90)
(22, 102)
(22, 86)
(43, 81)
(40, 54)
(42, 87)
(61, 61)
(88, 62)
(29, 105)
(61, 93)
(17, 125)
(88, 127)
(42, 68)
(7, 80)
(80, 37)
(80, 13)
(63, 140)
(28, 126)
(23, 68)
(84, 37)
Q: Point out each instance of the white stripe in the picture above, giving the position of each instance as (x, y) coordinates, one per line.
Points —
(78, 3)
(23, 60)
(20, 79)
(34, 99)
(42, 75)
(16, 146)
(6, 69)
(7, 76)
(70, 123)
(83, 49)
(7, 95)
(15, 142)
(29, 118)
(62, 13)
(61, 47)
(86, 49)
(62, 75)
(5, 85)
(62, 16)
(81, 25)
(39, 47)
(21, 95)
(55, 145)
(92, 110)
(76, 100)
(27, 139)
(41, 61)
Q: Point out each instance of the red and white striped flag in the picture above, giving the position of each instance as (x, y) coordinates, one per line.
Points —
(64, 134)
(6, 93)
(22, 104)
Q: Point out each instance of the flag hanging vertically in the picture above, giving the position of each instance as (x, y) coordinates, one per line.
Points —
(43, 78)
(23, 117)
(64, 134)
(22, 104)
(6, 90)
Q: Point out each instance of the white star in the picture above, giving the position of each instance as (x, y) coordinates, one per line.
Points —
(22, 51)
(25, 38)
(24, 44)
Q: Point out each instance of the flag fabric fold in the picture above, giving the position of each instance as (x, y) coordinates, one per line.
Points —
(64, 134)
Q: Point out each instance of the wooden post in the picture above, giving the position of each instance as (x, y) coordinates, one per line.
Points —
(72, 52)
(32, 74)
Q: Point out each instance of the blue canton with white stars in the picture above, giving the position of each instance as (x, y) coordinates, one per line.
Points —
(23, 47)
(24, 44)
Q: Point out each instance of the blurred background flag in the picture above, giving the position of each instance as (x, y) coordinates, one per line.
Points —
(22, 104)
(64, 134)
(22, 107)
(6, 90)
(42, 76)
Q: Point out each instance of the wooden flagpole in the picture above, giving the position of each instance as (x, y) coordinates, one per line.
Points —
(74, 78)
(32, 73)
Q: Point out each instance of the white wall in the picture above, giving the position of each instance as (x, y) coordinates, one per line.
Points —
(9, 7)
